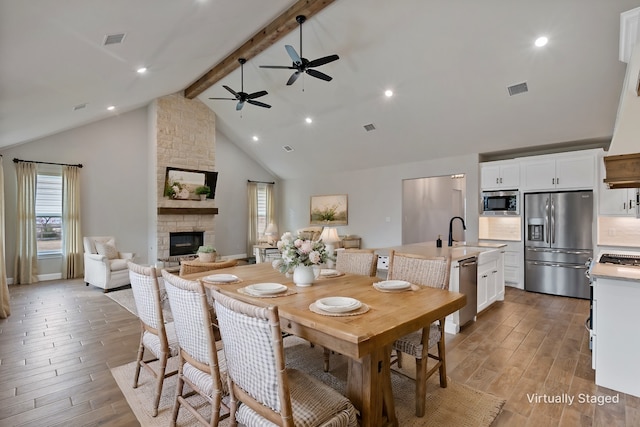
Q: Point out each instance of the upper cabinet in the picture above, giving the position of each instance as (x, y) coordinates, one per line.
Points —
(623, 201)
(570, 171)
(504, 175)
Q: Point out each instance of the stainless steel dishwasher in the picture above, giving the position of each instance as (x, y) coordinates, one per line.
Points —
(468, 284)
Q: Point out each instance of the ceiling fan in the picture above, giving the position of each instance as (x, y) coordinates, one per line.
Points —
(242, 96)
(303, 65)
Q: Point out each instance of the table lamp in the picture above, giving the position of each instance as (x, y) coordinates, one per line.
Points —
(271, 232)
(330, 237)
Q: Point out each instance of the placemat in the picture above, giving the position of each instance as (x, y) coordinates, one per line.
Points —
(363, 309)
(320, 276)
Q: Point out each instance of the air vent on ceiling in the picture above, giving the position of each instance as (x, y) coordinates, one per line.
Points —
(369, 127)
(517, 89)
(79, 107)
(113, 39)
(287, 148)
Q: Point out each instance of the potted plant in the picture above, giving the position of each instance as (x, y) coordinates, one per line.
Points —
(203, 191)
(207, 253)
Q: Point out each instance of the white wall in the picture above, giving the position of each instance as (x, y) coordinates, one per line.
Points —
(234, 169)
(375, 198)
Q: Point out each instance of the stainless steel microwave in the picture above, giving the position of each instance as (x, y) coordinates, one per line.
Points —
(501, 202)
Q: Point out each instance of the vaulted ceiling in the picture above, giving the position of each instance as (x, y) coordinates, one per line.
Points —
(448, 63)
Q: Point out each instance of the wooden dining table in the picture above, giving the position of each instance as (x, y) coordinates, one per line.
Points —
(366, 339)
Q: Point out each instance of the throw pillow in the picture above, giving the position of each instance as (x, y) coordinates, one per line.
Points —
(107, 250)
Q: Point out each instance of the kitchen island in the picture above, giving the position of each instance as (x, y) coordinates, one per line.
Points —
(490, 270)
(615, 338)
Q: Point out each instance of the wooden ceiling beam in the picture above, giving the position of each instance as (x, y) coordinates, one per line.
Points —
(266, 37)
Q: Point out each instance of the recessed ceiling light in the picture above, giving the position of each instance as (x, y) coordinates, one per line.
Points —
(255, 138)
(388, 93)
(308, 120)
(142, 70)
(111, 107)
(541, 41)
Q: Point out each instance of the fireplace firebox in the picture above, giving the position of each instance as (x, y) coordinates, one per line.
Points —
(185, 242)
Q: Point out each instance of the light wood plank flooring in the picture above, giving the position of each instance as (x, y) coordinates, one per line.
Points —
(62, 337)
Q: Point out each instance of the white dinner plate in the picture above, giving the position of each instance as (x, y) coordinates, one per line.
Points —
(393, 285)
(221, 278)
(266, 288)
(329, 272)
(338, 304)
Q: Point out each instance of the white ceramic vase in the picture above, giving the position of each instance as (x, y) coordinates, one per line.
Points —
(303, 275)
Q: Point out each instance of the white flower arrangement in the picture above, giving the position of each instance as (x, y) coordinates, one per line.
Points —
(296, 251)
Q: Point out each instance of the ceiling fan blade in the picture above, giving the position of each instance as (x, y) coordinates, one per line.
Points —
(321, 61)
(293, 54)
(319, 75)
(231, 90)
(258, 103)
(239, 105)
(257, 94)
(230, 99)
(278, 66)
(293, 78)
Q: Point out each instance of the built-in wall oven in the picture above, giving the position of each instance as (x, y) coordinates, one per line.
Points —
(505, 202)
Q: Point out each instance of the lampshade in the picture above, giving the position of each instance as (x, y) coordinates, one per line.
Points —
(271, 230)
(329, 235)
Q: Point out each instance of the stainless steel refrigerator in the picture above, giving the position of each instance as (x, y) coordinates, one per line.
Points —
(558, 242)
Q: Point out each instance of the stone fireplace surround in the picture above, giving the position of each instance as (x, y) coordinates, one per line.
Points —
(184, 138)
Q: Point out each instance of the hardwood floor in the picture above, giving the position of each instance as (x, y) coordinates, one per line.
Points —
(62, 337)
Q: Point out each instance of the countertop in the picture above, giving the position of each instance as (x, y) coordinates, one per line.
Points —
(619, 272)
(457, 252)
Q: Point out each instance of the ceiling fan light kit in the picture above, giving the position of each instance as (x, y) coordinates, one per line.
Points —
(242, 96)
(301, 64)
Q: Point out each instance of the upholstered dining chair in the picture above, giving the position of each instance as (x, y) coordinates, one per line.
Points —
(199, 366)
(156, 336)
(432, 272)
(354, 261)
(262, 390)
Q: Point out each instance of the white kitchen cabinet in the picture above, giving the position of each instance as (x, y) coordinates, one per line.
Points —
(623, 201)
(490, 278)
(500, 175)
(513, 254)
(559, 172)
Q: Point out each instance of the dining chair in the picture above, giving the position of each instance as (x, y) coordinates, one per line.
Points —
(354, 261)
(196, 266)
(423, 271)
(156, 336)
(199, 367)
(262, 390)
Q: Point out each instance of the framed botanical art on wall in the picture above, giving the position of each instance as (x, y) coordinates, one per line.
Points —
(329, 210)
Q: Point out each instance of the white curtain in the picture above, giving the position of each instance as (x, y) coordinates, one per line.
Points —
(252, 225)
(26, 262)
(271, 205)
(5, 308)
(72, 249)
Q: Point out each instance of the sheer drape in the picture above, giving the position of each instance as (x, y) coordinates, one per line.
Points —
(26, 262)
(5, 308)
(72, 249)
(252, 226)
(271, 206)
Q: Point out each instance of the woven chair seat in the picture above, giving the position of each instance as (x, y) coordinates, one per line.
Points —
(411, 344)
(197, 266)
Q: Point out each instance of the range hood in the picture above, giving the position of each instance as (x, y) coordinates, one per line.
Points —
(622, 171)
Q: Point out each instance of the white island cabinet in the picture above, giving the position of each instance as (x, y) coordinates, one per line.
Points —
(616, 341)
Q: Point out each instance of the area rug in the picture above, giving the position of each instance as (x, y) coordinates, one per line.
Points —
(124, 297)
(457, 405)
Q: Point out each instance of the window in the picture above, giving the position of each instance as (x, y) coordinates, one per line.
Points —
(262, 210)
(49, 213)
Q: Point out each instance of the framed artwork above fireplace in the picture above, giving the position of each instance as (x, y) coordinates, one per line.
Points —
(181, 184)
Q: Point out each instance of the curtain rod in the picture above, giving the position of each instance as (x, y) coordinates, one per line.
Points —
(261, 182)
(46, 163)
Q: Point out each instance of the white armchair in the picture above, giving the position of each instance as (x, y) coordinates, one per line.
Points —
(104, 266)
